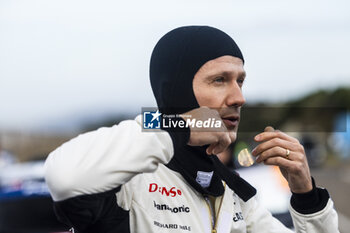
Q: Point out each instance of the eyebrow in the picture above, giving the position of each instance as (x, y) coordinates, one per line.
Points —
(240, 74)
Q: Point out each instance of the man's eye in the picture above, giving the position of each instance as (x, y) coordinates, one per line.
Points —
(240, 81)
(219, 79)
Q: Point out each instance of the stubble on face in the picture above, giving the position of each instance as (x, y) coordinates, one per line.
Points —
(217, 85)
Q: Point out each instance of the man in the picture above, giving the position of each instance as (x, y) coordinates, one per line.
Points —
(121, 179)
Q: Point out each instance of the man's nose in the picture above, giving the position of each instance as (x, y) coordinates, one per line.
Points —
(235, 96)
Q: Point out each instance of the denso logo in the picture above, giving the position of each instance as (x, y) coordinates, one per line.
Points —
(172, 192)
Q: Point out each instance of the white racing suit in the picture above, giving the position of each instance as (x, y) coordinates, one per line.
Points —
(114, 180)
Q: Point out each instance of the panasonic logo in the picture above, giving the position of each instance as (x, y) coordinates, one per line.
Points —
(181, 209)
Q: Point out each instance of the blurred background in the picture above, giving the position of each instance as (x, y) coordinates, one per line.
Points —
(67, 67)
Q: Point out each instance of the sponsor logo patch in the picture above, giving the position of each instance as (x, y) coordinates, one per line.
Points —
(172, 192)
(172, 226)
(204, 178)
(237, 216)
(180, 209)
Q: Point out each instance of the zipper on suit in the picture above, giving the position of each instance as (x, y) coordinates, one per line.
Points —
(211, 209)
(211, 212)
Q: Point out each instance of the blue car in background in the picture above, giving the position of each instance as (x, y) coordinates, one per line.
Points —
(25, 202)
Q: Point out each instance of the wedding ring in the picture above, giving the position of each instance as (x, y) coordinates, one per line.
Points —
(287, 153)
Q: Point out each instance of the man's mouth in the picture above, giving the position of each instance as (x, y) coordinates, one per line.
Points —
(230, 121)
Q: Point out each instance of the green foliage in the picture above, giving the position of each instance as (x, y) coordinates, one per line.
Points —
(312, 113)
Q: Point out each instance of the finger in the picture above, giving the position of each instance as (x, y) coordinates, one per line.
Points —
(287, 136)
(210, 148)
(275, 134)
(224, 142)
(272, 143)
(272, 152)
(279, 161)
(269, 129)
(215, 139)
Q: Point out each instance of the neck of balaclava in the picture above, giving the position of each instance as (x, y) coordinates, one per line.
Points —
(203, 172)
(197, 168)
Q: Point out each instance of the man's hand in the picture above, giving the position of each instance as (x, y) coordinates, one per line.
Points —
(280, 149)
(218, 139)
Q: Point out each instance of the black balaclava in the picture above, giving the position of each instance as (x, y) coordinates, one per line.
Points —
(175, 60)
(178, 56)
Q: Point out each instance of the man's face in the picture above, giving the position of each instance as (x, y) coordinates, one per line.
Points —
(218, 84)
